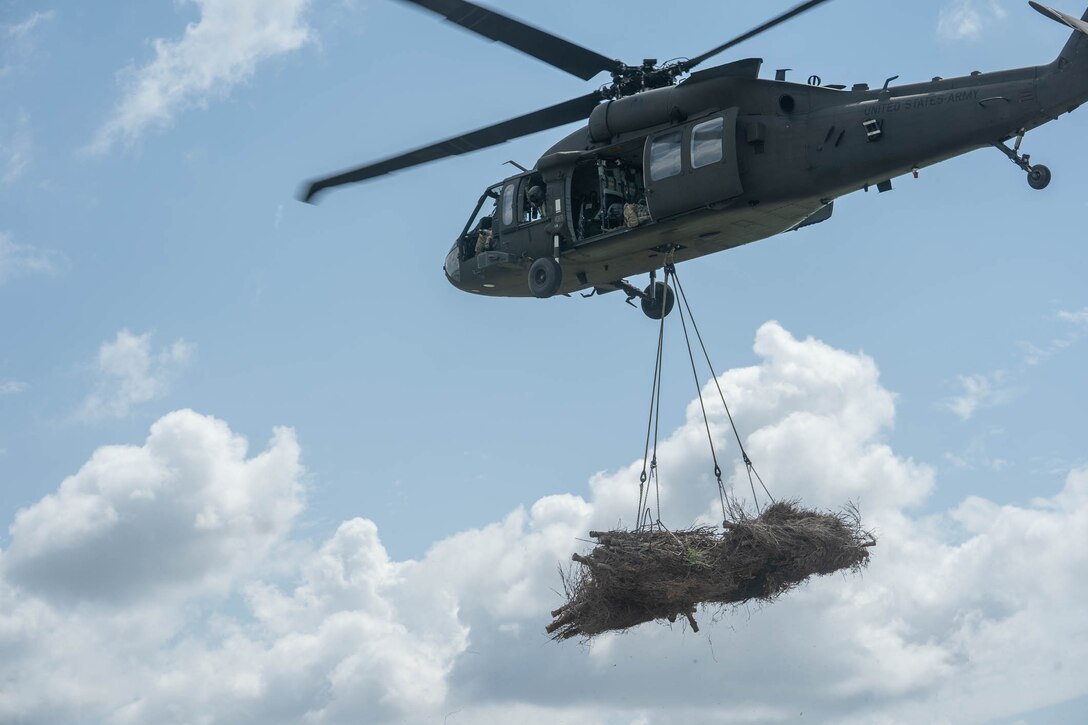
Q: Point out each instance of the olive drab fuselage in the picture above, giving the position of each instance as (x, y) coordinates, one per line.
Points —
(725, 158)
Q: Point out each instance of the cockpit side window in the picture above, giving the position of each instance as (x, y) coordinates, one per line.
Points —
(665, 156)
(508, 194)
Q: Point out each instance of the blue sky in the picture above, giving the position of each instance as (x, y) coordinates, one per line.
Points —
(153, 260)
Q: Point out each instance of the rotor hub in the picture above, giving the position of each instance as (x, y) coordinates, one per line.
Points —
(632, 79)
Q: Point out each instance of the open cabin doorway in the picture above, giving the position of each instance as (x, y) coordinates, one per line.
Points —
(608, 192)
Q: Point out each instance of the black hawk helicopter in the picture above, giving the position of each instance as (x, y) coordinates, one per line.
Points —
(667, 170)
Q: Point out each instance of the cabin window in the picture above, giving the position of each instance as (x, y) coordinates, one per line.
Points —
(508, 204)
(665, 156)
(706, 143)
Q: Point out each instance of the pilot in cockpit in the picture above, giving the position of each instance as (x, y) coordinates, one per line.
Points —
(484, 236)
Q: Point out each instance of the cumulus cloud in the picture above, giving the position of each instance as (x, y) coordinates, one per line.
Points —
(129, 374)
(19, 260)
(184, 509)
(975, 611)
(966, 19)
(10, 387)
(219, 51)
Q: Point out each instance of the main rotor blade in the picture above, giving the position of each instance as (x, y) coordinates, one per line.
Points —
(788, 15)
(576, 109)
(544, 46)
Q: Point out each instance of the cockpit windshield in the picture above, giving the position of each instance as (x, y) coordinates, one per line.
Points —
(480, 223)
(484, 209)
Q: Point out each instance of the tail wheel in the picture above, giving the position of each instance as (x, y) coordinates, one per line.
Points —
(658, 301)
(545, 277)
(1039, 177)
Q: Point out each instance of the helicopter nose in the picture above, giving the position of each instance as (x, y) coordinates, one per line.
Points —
(452, 267)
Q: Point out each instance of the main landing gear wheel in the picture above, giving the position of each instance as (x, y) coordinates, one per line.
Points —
(1039, 177)
(658, 301)
(545, 277)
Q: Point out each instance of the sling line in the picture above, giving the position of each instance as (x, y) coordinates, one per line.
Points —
(649, 462)
(643, 517)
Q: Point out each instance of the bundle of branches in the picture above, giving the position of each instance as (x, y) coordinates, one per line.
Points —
(632, 577)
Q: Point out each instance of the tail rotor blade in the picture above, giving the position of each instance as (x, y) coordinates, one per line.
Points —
(1061, 17)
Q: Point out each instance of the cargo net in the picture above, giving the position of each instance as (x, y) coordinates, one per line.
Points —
(633, 577)
(651, 573)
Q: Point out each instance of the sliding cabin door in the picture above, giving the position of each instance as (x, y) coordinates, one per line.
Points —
(692, 165)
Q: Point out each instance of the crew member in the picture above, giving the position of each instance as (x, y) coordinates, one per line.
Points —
(484, 237)
(537, 198)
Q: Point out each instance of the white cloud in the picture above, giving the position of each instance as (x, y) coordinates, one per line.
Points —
(976, 454)
(979, 391)
(216, 53)
(1034, 354)
(18, 260)
(966, 19)
(129, 373)
(16, 148)
(185, 509)
(17, 41)
(10, 387)
(23, 29)
(986, 390)
(1079, 317)
(977, 612)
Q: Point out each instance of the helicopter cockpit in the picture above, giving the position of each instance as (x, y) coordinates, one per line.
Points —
(506, 227)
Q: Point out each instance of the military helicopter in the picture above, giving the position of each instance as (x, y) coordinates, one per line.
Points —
(675, 163)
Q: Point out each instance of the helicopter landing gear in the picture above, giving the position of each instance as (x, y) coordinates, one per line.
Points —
(1038, 175)
(657, 300)
(545, 277)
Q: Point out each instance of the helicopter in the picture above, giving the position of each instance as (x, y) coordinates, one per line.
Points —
(674, 163)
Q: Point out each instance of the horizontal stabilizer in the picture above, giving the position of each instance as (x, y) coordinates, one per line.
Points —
(820, 215)
(1060, 17)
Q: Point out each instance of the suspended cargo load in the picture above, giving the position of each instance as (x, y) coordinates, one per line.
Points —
(651, 573)
(633, 577)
